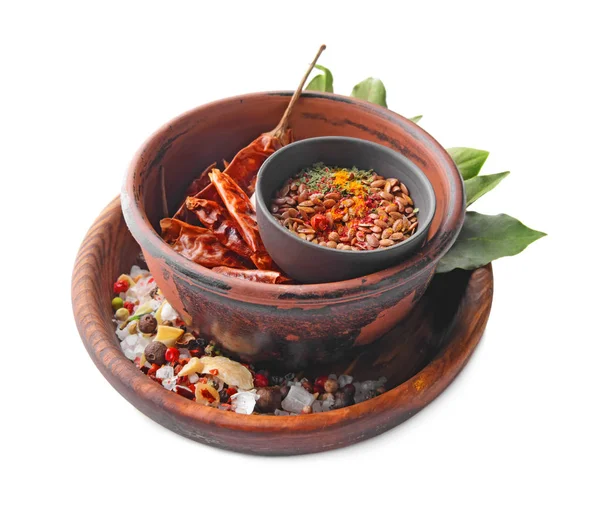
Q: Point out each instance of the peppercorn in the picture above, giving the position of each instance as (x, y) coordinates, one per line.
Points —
(117, 303)
(155, 352)
(122, 314)
(331, 386)
(350, 389)
(342, 399)
(307, 410)
(260, 381)
(223, 395)
(269, 399)
(172, 354)
(120, 286)
(320, 383)
(147, 323)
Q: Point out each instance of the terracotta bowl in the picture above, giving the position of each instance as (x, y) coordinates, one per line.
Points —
(295, 324)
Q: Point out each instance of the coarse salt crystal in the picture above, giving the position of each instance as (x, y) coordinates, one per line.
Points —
(184, 353)
(279, 412)
(327, 403)
(143, 341)
(167, 312)
(165, 372)
(244, 401)
(122, 334)
(343, 380)
(193, 378)
(131, 340)
(128, 352)
(136, 271)
(296, 399)
(169, 383)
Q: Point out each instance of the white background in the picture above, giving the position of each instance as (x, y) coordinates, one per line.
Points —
(82, 86)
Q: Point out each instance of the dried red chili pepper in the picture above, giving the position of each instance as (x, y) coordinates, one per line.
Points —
(213, 216)
(198, 184)
(207, 395)
(242, 212)
(233, 187)
(244, 167)
(199, 245)
(239, 207)
(253, 275)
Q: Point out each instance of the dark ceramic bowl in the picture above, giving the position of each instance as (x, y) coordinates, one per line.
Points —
(294, 324)
(310, 263)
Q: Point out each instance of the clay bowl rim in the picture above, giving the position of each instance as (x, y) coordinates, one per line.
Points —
(423, 229)
(318, 293)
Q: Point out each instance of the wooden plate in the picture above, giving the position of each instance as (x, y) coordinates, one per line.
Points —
(420, 358)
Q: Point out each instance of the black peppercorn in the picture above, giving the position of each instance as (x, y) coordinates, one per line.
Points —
(147, 323)
(350, 389)
(342, 399)
(155, 352)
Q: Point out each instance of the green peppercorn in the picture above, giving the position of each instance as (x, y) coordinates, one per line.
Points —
(122, 314)
(117, 303)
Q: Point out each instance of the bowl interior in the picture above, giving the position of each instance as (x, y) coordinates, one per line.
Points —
(347, 153)
(188, 144)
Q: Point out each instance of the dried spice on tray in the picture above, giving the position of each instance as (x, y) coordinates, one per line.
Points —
(161, 345)
(219, 203)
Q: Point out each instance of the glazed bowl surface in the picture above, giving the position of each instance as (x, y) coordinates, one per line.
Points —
(291, 324)
(307, 262)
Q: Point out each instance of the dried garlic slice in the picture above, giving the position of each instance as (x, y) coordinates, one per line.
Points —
(191, 367)
(230, 372)
(168, 335)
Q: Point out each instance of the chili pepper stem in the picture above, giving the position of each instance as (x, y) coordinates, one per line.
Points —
(282, 127)
(163, 186)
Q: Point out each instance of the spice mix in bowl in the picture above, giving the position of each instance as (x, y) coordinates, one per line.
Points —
(365, 211)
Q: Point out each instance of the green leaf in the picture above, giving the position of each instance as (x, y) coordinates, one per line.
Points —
(478, 186)
(416, 118)
(321, 82)
(468, 161)
(372, 90)
(485, 238)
